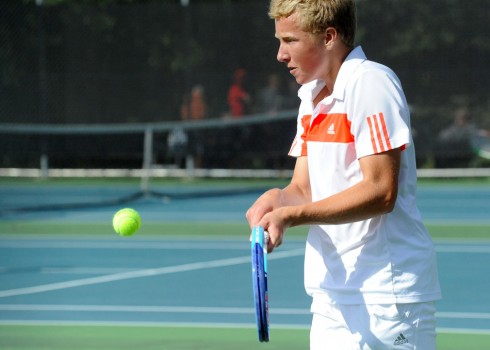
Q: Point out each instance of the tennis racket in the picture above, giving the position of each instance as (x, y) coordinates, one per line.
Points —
(259, 279)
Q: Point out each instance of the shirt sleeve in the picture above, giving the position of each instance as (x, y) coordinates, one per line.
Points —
(379, 112)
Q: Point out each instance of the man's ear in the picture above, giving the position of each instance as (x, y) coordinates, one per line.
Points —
(330, 36)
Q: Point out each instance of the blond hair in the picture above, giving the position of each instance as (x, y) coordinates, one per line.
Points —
(315, 16)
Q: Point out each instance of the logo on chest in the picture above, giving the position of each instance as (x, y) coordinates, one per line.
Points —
(330, 128)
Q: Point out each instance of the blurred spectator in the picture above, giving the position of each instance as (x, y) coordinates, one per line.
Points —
(291, 98)
(195, 107)
(188, 145)
(177, 145)
(238, 98)
(454, 143)
(270, 98)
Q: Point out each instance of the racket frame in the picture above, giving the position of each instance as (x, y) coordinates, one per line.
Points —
(259, 279)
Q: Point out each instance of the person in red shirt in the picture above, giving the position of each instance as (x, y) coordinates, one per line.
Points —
(238, 97)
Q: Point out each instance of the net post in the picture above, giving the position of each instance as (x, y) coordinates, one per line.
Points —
(190, 166)
(44, 166)
(147, 156)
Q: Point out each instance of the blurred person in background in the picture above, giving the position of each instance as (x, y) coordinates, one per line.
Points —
(195, 106)
(269, 97)
(370, 264)
(183, 144)
(238, 98)
(455, 144)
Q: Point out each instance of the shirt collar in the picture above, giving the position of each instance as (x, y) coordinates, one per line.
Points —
(353, 60)
(309, 90)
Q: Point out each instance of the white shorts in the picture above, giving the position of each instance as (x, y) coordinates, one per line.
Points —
(373, 327)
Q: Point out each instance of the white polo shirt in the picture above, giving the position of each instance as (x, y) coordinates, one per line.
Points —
(385, 259)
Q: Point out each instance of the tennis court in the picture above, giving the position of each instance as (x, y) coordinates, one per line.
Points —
(183, 282)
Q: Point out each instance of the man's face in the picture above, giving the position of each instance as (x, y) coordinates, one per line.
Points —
(302, 52)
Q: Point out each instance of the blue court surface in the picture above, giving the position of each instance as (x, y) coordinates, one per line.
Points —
(151, 280)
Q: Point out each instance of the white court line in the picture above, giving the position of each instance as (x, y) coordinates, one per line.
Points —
(145, 324)
(464, 331)
(459, 222)
(196, 325)
(181, 245)
(82, 270)
(196, 310)
(442, 245)
(485, 249)
(149, 309)
(143, 273)
(154, 245)
(464, 315)
(128, 309)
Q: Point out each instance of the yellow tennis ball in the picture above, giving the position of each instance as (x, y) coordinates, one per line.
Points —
(126, 222)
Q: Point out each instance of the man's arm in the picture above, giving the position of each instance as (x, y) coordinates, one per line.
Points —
(298, 192)
(374, 195)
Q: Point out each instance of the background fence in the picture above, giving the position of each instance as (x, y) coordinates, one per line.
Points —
(68, 67)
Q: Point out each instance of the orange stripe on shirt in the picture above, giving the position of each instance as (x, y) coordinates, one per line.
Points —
(385, 130)
(378, 133)
(371, 131)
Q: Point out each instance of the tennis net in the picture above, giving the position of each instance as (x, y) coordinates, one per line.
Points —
(112, 164)
(253, 146)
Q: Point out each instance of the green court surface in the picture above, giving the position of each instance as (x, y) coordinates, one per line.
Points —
(203, 229)
(156, 338)
(456, 211)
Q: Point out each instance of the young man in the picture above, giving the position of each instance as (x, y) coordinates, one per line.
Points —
(369, 262)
